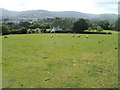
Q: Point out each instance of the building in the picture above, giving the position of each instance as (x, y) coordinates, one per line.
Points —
(56, 29)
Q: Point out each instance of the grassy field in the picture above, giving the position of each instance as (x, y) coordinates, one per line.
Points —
(38, 61)
(0, 62)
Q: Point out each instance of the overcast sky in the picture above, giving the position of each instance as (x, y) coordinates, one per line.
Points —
(85, 6)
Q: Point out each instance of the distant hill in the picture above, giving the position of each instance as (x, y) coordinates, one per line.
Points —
(41, 14)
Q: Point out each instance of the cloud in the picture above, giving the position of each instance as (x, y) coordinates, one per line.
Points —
(109, 6)
(85, 6)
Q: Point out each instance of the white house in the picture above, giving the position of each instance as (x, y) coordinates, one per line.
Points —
(56, 29)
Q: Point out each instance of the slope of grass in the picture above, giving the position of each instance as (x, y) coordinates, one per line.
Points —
(38, 61)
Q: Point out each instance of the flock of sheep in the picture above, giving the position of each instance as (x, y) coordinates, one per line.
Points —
(72, 36)
(58, 36)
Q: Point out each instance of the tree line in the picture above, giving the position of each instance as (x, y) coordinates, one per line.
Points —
(66, 24)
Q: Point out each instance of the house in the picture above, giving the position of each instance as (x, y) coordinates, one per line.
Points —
(56, 29)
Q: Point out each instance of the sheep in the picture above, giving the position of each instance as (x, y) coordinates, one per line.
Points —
(48, 72)
(47, 79)
(54, 43)
(73, 36)
(72, 46)
(45, 57)
(74, 64)
(78, 36)
(51, 36)
(99, 42)
(86, 36)
(5, 36)
(59, 36)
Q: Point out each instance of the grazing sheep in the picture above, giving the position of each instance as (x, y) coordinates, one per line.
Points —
(48, 72)
(101, 52)
(86, 36)
(54, 43)
(5, 36)
(51, 36)
(47, 79)
(59, 36)
(78, 36)
(99, 42)
(73, 36)
(74, 64)
(21, 85)
(74, 61)
(45, 57)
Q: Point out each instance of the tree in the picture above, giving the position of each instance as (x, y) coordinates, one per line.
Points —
(37, 30)
(35, 25)
(4, 29)
(117, 25)
(63, 23)
(14, 31)
(90, 28)
(10, 24)
(57, 22)
(25, 24)
(103, 23)
(99, 28)
(112, 25)
(80, 25)
(23, 30)
(46, 25)
(43, 30)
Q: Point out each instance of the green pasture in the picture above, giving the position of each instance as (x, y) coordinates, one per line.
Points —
(63, 61)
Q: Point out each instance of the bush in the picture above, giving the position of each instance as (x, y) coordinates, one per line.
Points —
(43, 30)
(109, 33)
(94, 32)
(5, 29)
(14, 31)
(90, 28)
(63, 31)
(23, 30)
(99, 28)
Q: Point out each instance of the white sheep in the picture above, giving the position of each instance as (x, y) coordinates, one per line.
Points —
(86, 36)
(78, 36)
(5, 36)
(51, 36)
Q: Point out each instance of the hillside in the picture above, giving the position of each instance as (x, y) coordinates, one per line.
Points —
(41, 14)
